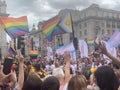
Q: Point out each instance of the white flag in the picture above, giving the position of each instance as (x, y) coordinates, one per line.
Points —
(83, 48)
(49, 53)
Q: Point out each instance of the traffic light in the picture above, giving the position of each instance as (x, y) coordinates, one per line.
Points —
(21, 44)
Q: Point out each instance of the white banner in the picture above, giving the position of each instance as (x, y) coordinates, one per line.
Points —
(49, 53)
(83, 48)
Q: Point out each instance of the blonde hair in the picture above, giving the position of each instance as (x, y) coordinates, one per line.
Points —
(77, 83)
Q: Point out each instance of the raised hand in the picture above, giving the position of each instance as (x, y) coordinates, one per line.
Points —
(67, 56)
(19, 57)
(103, 48)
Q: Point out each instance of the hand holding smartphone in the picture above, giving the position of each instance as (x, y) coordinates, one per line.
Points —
(19, 55)
(7, 65)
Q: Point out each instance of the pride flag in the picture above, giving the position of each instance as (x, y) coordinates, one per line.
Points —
(51, 29)
(114, 40)
(57, 25)
(33, 53)
(15, 27)
(66, 23)
(91, 42)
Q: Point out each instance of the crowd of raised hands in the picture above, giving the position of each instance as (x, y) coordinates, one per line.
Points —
(32, 78)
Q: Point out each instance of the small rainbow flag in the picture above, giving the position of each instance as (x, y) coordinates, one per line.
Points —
(33, 53)
(91, 41)
(15, 27)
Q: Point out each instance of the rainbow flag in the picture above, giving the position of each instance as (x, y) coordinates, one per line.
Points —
(91, 41)
(15, 27)
(50, 28)
(33, 53)
(57, 25)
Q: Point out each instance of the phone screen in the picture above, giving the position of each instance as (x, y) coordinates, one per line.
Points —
(7, 65)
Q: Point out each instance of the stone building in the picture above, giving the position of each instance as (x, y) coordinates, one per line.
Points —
(3, 38)
(87, 24)
(93, 21)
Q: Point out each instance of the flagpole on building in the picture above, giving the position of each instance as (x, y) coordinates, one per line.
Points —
(75, 43)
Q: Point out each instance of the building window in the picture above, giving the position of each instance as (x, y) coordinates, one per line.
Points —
(118, 25)
(103, 31)
(85, 24)
(117, 16)
(80, 26)
(113, 24)
(97, 23)
(103, 25)
(97, 30)
(108, 24)
(108, 31)
(80, 33)
(59, 40)
(84, 15)
(85, 32)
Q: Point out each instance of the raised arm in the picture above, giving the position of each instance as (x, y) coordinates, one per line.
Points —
(104, 51)
(67, 66)
(21, 72)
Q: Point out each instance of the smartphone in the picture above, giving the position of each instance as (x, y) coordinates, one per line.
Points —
(7, 65)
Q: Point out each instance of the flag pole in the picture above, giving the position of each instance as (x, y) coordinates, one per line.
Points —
(75, 43)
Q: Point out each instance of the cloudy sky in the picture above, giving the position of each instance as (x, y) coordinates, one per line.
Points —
(38, 10)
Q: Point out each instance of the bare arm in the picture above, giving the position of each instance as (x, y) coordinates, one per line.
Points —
(115, 60)
(67, 67)
(13, 79)
(21, 72)
(104, 51)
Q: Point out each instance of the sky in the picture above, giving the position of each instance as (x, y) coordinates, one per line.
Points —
(39, 10)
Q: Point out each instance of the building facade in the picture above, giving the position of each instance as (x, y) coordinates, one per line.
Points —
(87, 24)
(93, 21)
(3, 38)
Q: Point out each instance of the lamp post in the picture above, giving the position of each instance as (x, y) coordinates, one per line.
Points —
(32, 43)
(75, 43)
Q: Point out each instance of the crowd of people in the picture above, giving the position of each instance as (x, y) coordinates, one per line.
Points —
(90, 73)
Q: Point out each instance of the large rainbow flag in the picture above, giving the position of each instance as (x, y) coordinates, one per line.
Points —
(50, 28)
(57, 25)
(15, 27)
